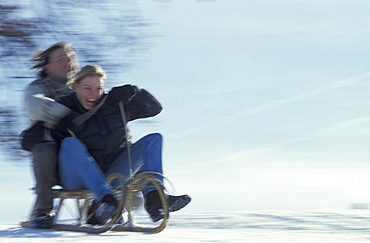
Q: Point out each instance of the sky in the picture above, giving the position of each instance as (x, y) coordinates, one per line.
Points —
(265, 102)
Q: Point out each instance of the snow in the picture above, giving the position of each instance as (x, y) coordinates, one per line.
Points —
(255, 226)
(265, 115)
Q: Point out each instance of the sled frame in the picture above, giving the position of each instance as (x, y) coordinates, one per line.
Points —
(127, 191)
(83, 200)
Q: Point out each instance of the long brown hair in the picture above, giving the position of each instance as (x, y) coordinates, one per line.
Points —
(42, 58)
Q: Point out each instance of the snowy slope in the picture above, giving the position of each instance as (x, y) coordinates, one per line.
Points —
(265, 112)
(227, 227)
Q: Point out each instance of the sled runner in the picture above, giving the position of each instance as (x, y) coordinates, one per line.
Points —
(123, 220)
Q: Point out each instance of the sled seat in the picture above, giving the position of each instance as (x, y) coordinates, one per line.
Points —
(83, 200)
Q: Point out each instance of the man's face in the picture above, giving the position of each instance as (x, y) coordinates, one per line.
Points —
(60, 64)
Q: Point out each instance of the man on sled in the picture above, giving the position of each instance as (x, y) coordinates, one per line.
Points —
(90, 151)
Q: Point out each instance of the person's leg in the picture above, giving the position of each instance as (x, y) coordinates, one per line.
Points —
(45, 163)
(146, 155)
(78, 170)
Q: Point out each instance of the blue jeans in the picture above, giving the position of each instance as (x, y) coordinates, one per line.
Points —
(78, 170)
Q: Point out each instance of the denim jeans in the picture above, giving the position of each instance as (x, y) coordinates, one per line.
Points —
(78, 170)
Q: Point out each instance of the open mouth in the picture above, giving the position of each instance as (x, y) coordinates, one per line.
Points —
(90, 102)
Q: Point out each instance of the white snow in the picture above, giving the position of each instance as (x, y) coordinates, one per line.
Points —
(265, 121)
(251, 226)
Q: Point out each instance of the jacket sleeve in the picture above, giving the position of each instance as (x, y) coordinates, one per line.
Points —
(144, 105)
(41, 108)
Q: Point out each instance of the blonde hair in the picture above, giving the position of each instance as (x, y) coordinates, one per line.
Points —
(88, 70)
(42, 58)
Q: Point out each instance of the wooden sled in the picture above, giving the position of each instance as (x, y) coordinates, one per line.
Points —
(125, 196)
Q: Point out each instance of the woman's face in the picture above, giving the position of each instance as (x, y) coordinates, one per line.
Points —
(89, 90)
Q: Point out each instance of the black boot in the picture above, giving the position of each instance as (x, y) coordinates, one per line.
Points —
(107, 209)
(154, 207)
(91, 219)
(42, 220)
(91, 214)
(178, 202)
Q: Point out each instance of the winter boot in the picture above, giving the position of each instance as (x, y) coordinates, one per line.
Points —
(107, 209)
(42, 221)
(91, 214)
(154, 207)
(178, 202)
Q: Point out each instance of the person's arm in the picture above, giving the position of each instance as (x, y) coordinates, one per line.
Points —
(139, 102)
(143, 105)
(41, 108)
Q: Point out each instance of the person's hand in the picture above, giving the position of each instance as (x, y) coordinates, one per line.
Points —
(122, 93)
(33, 135)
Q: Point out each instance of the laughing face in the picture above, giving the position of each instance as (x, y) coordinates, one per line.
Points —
(89, 90)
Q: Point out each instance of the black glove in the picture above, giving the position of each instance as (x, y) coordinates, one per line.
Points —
(121, 93)
(33, 135)
(66, 124)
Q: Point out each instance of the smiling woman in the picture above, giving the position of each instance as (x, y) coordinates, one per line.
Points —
(90, 154)
(88, 85)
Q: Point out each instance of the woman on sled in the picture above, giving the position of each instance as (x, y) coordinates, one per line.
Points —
(91, 151)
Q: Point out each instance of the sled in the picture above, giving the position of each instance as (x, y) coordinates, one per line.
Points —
(125, 194)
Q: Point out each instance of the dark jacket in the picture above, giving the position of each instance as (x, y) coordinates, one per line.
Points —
(104, 132)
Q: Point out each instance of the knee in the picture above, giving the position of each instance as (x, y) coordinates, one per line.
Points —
(68, 148)
(157, 137)
(70, 143)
